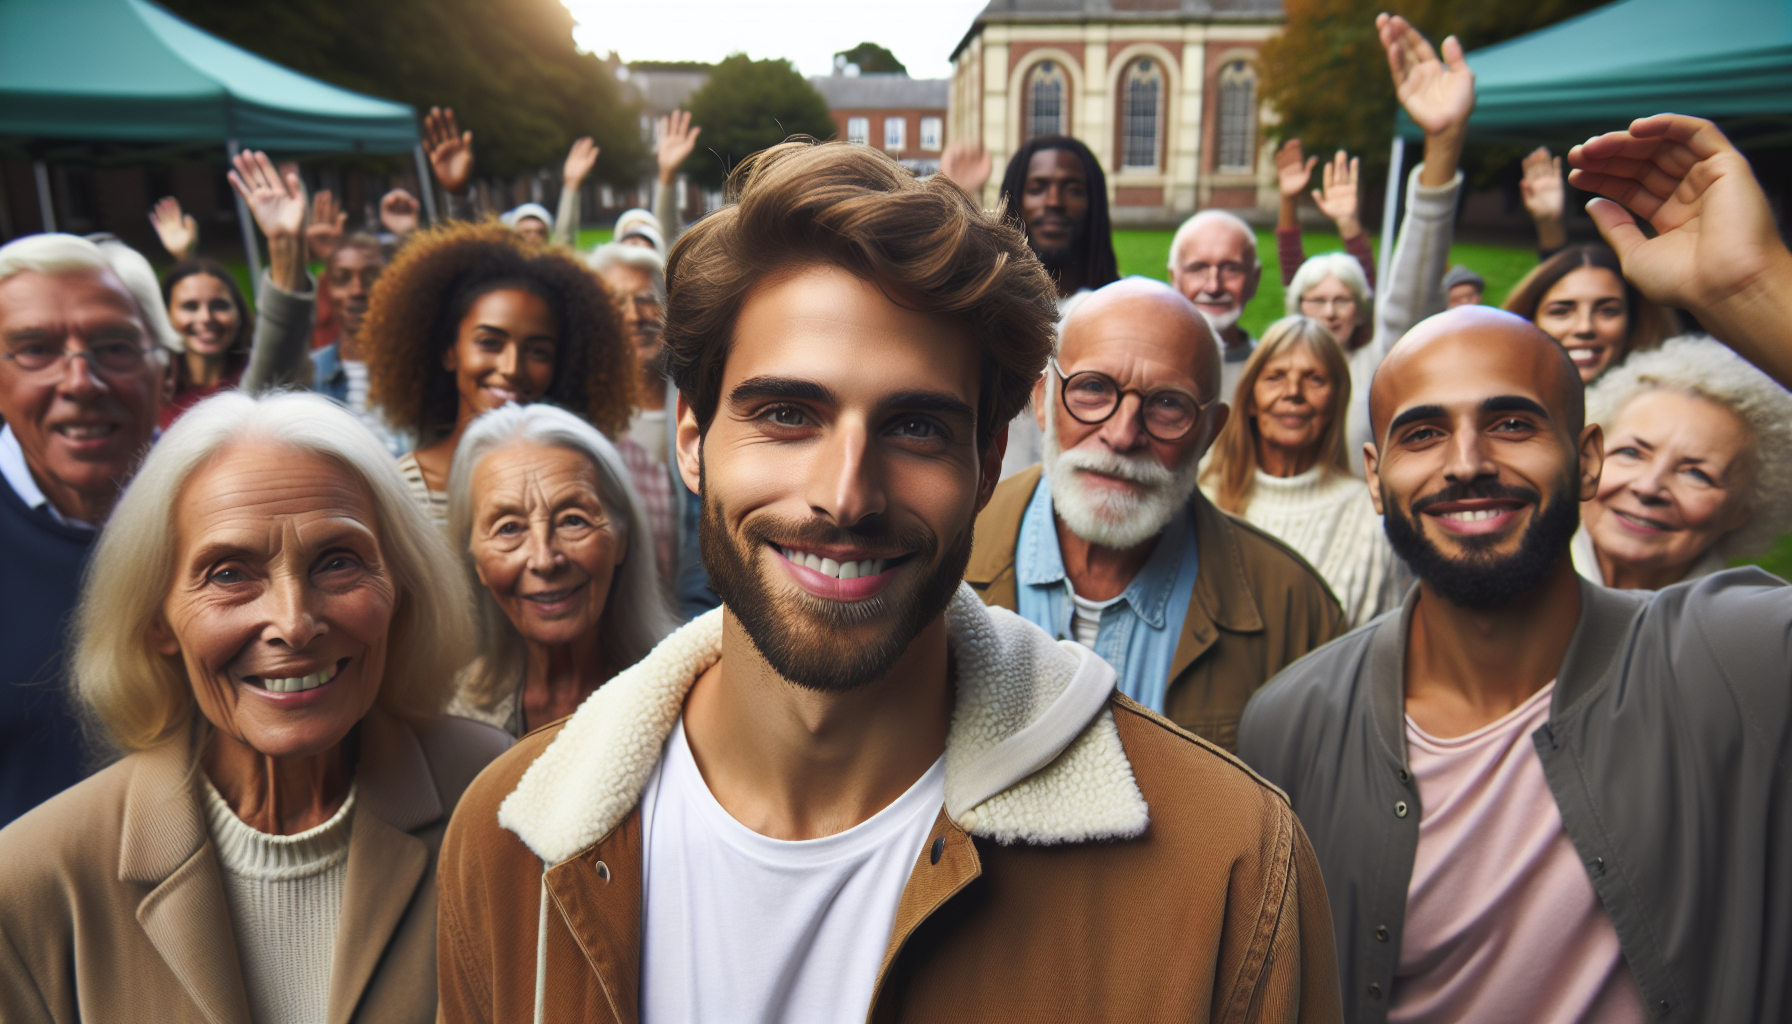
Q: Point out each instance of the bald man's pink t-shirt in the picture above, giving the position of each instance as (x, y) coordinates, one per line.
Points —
(1502, 923)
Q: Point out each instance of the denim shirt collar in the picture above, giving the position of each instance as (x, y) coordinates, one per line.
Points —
(1040, 562)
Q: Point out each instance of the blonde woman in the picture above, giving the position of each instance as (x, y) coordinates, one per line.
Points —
(268, 634)
(559, 555)
(1280, 464)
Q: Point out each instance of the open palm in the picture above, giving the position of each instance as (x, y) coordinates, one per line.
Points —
(579, 161)
(1292, 170)
(677, 140)
(177, 230)
(1437, 94)
(276, 202)
(450, 150)
(1541, 186)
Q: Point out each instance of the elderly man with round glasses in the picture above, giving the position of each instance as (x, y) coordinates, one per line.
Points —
(1110, 544)
(84, 338)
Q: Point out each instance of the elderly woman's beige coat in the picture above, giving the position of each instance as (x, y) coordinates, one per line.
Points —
(112, 902)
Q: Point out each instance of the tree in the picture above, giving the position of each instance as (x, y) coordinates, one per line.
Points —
(873, 59)
(746, 106)
(1327, 75)
(507, 67)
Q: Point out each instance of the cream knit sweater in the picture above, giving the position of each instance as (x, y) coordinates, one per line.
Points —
(1328, 518)
(285, 897)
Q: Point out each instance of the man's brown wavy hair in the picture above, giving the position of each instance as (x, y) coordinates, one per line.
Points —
(414, 316)
(926, 244)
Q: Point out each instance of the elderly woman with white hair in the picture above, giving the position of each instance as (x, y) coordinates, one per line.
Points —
(556, 547)
(1698, 466)
(268, 634)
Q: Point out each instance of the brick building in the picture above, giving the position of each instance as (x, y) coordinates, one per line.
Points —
(906, 117)
(1165, 92)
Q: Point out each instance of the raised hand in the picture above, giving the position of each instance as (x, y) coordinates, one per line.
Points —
(1716, 252)
(1437, 94)
(579, 161)
(277, 203)
(398, 212)
(1292, 172)
(178, 231)
(450, 150)
(1544, 197)
(966, 164)
(324, 234)
(1338, 199)
(677, 140)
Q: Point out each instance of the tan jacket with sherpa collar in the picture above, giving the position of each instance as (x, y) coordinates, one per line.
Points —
(1091, 862)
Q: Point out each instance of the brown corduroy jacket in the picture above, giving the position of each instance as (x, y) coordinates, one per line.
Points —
(1257, 607)
(1132, 873)
(112, 904)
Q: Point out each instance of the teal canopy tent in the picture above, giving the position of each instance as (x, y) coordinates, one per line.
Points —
(1722, 59)
(1729, 60)
(128, 71)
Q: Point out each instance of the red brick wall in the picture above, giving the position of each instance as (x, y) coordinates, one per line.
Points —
(911, 148)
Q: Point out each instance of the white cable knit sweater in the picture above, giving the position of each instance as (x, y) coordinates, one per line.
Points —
(1328, 518)
(285, 897)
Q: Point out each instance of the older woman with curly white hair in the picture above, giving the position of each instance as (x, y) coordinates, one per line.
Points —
(1332, 289)
(268, 633)
(1698, 466)
(559, 554)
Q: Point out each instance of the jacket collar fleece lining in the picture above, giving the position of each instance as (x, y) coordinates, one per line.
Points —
(1032, 755)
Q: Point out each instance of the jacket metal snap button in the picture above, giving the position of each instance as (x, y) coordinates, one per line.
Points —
(1381, 933)
(939, 847)
(1598, 866)
(1374, 990)
(1399, 808)
(1405, 775)
(603, 871)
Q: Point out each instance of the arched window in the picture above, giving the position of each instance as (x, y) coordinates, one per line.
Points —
(1141, 113)
(1238, 117)
(1046, 91)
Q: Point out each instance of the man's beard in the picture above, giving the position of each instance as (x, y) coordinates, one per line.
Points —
(814, 642)
(1117, 519)
(1480, 580)
(1058, 259)
(1220, 322)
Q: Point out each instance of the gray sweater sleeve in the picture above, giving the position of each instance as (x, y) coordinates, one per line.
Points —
(1414, 289)
(665, 208)
(283, 321)
(566, 218)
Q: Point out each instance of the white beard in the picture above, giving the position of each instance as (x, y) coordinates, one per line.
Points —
(1222, 322)
(1117, 519)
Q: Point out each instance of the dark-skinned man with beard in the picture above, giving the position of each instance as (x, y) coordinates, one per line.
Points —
(1536, 798)
(1055, 191)
(853, 791)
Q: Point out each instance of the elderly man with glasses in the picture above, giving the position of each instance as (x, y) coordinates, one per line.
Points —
(1110, 544)
(83, 373)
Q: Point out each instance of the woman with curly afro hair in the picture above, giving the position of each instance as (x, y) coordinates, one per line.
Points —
(467, 318)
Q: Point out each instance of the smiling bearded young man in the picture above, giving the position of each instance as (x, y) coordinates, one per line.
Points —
(854, 792)
(1536, 798)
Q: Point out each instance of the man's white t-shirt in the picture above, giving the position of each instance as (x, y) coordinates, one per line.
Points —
(739, 927)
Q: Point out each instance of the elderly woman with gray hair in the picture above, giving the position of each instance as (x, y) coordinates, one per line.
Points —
(1698, 466)
(268, 634)
(556, 547)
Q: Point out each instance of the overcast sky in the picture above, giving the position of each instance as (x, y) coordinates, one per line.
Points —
(921, 33)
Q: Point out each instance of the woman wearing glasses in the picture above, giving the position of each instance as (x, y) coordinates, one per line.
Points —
(1280, 464)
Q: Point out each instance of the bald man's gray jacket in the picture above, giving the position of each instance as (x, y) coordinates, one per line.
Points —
(1669, 752)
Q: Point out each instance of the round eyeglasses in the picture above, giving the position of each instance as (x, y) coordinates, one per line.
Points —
(1092, 397)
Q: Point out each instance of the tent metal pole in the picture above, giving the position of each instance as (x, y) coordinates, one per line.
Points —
(45, 208)
(242, 217)
(424, 185)
(1389, 207)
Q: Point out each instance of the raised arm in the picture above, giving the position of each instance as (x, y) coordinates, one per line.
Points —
(677, 139)
(1544, 197)
(1439, 95)
(1293, 172)
(285, 298)
(579, 161)
(1716, 252)
(450, 158)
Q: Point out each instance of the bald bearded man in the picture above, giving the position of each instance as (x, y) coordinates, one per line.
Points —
(1109, 543)
(1534, 798)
